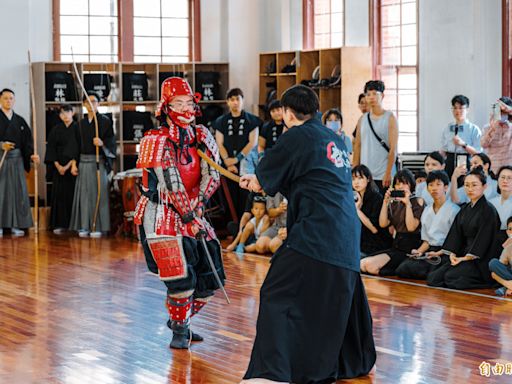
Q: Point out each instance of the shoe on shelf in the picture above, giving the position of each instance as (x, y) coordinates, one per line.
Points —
(17, 232)
(83, 233)
(59, 231)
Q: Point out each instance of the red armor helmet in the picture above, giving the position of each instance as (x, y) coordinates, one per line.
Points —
(172, 87)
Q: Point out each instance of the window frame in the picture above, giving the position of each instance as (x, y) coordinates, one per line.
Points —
(378, 65)
(125, 30)
(308, 25)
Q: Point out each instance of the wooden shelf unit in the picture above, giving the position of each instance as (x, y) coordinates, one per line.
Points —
(115, 105)
(356, 69)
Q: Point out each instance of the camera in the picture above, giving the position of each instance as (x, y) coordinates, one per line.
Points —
(396, 193)
(356, 196)
(496, 111)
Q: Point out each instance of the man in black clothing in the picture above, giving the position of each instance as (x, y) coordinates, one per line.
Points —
(86, 189)
(17, 151)
(314, 323)
(236, 134)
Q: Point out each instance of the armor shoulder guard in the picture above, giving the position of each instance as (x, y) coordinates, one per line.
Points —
(151, 152)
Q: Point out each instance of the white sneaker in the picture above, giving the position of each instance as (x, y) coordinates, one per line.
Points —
(95, 234)
(17, 232)
(1, 232)
(83, 233)
(59, 231)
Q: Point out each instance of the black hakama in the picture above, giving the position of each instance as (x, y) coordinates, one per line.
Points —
(473, 232)
(63, 148)
(311, 329)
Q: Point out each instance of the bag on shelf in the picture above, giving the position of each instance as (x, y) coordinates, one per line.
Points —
(208, 85)
(60, 87)
(98, 83)
(135, 124)
(135, 87)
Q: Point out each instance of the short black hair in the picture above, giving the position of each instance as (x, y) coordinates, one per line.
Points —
(478, 172)
(234, 92)
(65, 108)
(436, 156)
(507, 100)
(460, 99)
(438, 175)
(405, 176)
(374, 85)
(333, 111)
(420, 173)
(6, 90)
(302, 100)
(92, 93)
(509, 220)
(361, 96)
(504, 168)
(274, 104)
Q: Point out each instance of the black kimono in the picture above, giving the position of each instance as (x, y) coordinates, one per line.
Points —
(14, 201)
(373, 242)
(314, 323)
(61, 147)
(236, 131)
(472, 233)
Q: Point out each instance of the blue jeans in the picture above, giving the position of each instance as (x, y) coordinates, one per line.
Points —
(502, 270)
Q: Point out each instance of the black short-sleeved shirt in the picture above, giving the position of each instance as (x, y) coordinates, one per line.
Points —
(310, 166)
(236, 130)
(271, 132)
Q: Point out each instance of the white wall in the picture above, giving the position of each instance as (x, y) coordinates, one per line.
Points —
(460, 53)
(26, 24)
(357, 23)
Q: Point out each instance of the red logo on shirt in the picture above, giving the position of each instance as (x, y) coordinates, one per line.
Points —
(335, 155)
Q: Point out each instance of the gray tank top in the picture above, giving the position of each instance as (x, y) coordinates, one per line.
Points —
(373, 154)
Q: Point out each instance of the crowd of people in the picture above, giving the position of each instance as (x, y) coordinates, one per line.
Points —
(426, 225)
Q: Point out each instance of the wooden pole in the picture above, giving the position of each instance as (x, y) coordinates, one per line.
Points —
(34, 133)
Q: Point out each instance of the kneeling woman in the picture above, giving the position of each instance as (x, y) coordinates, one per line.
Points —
(470, 240)
(403, 212)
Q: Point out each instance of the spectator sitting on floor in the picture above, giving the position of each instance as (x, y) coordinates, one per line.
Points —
(434, 161)
(481, 160)
(436, 221)
(501, 270)
(270, 241)
(368, 204)
(255, 227)
(403, 211)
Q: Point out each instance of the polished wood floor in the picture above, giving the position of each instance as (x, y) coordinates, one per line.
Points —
(87, 311)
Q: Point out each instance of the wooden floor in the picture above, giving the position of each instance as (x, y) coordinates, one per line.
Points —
(86, 311)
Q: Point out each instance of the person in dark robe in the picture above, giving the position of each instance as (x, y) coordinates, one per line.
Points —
(314, 323)
(470, 240)
(61, 153)
(236, 134)
(16, 151)
(402, 210)
(86, 188)
(368, 201)
(436, 221)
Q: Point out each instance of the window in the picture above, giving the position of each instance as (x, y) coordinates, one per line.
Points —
(397, 66)
(89, 28)
(328, 23)
(161, 31)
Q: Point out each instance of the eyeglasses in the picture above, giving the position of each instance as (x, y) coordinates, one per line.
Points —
(181, 105)
(506, 178)
(459, 108)
(259, 199)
